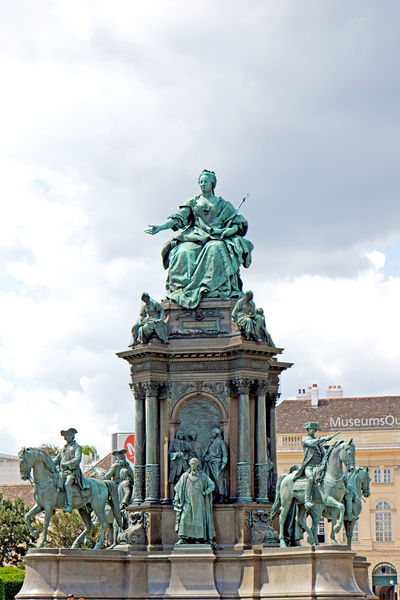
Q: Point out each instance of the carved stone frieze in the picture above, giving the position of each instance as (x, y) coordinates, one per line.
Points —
(179, 389)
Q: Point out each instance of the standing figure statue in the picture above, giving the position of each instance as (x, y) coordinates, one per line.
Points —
(314, 453)
(68, 461)
(195, 447)
(215, 459)
(115, 474)
(251, 320)
(151, 322)
(178, 457)
(193, 506)
(204, 259)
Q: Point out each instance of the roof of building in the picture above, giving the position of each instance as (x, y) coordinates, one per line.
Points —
(103, 463)
(368, 412)
(12, 491)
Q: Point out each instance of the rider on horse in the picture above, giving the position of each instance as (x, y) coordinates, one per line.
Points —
(121, 471)
(314, 453)
(68, 461)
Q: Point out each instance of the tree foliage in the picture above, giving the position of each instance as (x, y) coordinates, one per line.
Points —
(65, 527)
(51, 449)
(90, 450)
(14, 533)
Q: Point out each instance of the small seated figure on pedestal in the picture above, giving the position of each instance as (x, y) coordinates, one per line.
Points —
(151, 323)
(193, 506)
(251, 320)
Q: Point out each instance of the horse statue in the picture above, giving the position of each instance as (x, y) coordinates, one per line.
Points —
(327, 495)
(48, 496)
(357, 489)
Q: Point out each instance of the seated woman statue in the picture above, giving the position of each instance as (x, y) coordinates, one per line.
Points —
(205, 257)
(251, 320)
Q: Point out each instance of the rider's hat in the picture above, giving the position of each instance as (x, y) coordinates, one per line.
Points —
(312, 424)
(70, 430)
(117, 452)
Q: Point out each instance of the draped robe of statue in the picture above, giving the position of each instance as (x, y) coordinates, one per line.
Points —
(201, 261)
(196, 517)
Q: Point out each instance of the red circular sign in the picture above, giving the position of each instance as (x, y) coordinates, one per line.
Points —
(130, 447)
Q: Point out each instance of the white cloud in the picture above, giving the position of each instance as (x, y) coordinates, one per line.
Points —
(108, 113)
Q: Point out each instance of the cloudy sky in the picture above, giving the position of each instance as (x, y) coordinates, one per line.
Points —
(109, 111)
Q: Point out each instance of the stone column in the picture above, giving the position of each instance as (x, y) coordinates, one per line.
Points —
(152, 443)
(271, 404)
(138, 468)
(243, 465)
(261, 466)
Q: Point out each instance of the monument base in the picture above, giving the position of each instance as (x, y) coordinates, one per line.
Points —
(196, 571)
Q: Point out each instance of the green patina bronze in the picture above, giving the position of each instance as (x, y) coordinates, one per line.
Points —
(319, 487)
(193, 506)
(204, 259)
(49, 494)
(215, 460)
(251, 320)
(150, 324)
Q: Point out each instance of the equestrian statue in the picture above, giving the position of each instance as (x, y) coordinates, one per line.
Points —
(59, 483)
(316, 488)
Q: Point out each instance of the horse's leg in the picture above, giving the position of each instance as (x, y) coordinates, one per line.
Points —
(48, 511)
(101, 515)
(86, 518)
(302, 521)
(282, 520)
(28, 520)
(336, 526)
(316, 514)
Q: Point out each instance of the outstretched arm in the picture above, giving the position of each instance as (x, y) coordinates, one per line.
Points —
(153, 229)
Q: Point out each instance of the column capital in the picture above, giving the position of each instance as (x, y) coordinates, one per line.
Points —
(273, 399)
(261, 387)
(152, 388)
(138, 390)
(242, 385)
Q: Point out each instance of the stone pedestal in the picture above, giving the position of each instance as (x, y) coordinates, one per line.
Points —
(207, 376)
(194, 571)
(361, 566)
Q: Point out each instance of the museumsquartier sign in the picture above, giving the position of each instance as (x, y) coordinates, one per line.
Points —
(341, 422)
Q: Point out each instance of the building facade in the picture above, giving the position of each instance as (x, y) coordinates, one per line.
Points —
(374, 425)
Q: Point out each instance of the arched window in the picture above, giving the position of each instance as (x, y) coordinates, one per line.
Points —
(383, 522)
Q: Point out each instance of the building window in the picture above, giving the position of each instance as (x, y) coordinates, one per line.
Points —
(377, 475)
(387, 476)
(356, 535)
(383, 522)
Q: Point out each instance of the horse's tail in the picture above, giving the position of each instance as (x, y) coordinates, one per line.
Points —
(277, 502)
(113, 500)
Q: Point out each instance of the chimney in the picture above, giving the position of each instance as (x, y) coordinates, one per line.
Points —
(334, 391)
(301, 394)
(314, 395)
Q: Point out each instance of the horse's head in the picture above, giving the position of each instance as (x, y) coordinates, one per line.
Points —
(365, 481)
(348, 454)
(25, 463)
